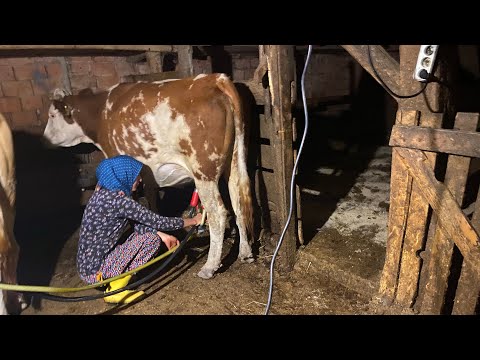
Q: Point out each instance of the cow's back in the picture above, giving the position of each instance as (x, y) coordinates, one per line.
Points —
(188, 122)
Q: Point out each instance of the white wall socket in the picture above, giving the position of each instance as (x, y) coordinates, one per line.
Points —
(425, 62)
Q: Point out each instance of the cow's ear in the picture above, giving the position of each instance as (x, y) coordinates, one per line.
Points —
(58, 94)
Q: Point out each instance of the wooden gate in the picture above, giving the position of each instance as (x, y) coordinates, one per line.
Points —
(432, 262)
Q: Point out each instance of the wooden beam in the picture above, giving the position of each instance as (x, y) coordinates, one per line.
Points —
(385, 65)
(467, 295)
(163, 48)
(456, 142)
(184, 65)
(450, 217)
(400, 191)
(136, 58)
(417, 227)
(167, 75)
(154, 60)
(281, 74)
(439, 252)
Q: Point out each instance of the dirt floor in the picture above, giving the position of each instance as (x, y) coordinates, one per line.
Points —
(337, 269)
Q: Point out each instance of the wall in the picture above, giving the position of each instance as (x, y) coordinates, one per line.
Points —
(25, 83)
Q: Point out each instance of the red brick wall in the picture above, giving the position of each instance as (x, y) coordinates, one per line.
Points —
(25, 83)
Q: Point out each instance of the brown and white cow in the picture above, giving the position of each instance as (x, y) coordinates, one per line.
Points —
(183, 129)
(10, 302)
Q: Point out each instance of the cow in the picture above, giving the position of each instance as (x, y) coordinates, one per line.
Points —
(184, 130)
(10, 302)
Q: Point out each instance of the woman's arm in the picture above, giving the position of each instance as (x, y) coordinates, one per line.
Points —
(129, 208)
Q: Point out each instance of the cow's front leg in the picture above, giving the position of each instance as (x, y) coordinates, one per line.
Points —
(217, 217)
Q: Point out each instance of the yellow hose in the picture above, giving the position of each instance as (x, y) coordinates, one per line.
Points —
(50, 289)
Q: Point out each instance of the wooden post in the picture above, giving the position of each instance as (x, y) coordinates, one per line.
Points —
(281, 74)
(154, 60)
(400, 191)
(407, 226)
(432, 106)
(263, 186)
(185, 65)
(384, 65)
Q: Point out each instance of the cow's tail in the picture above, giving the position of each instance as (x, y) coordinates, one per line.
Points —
(239, 156)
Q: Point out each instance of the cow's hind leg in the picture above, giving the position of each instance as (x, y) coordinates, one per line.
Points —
(217, 217)
(11, 302)
(245, 251)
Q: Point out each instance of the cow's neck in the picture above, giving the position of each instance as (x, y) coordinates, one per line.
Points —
(88, 112)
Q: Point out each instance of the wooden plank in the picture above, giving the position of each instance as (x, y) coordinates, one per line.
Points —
(467, 295)
(163, 48)
(432, 103)
(281, 74)
(385, 65)
(449, 215)
(457, 142)
(412, 244)
(167, 75)
(440, 250)
(400, 190)
(136, 58)
(415, 231)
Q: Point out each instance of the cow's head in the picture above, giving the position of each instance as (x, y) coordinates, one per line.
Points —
(62, 129)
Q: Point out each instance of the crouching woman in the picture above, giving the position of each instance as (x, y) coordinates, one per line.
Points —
(102, 253)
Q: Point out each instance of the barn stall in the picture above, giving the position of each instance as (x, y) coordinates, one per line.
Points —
(377, 223)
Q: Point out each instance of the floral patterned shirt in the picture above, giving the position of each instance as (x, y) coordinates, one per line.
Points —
(104, 221)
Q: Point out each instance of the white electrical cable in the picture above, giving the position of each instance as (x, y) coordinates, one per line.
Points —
(292, 183)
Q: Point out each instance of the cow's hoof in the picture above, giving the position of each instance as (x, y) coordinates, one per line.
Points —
(247, 259)
(206, 273)
(23, 303)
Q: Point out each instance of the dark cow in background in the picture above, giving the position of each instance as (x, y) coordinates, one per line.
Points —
(184, 129)
(10, 302)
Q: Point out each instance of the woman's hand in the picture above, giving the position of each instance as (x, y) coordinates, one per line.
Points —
(169, 240)
(196, 220)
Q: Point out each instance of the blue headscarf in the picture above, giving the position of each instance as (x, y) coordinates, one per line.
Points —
(118, 173)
